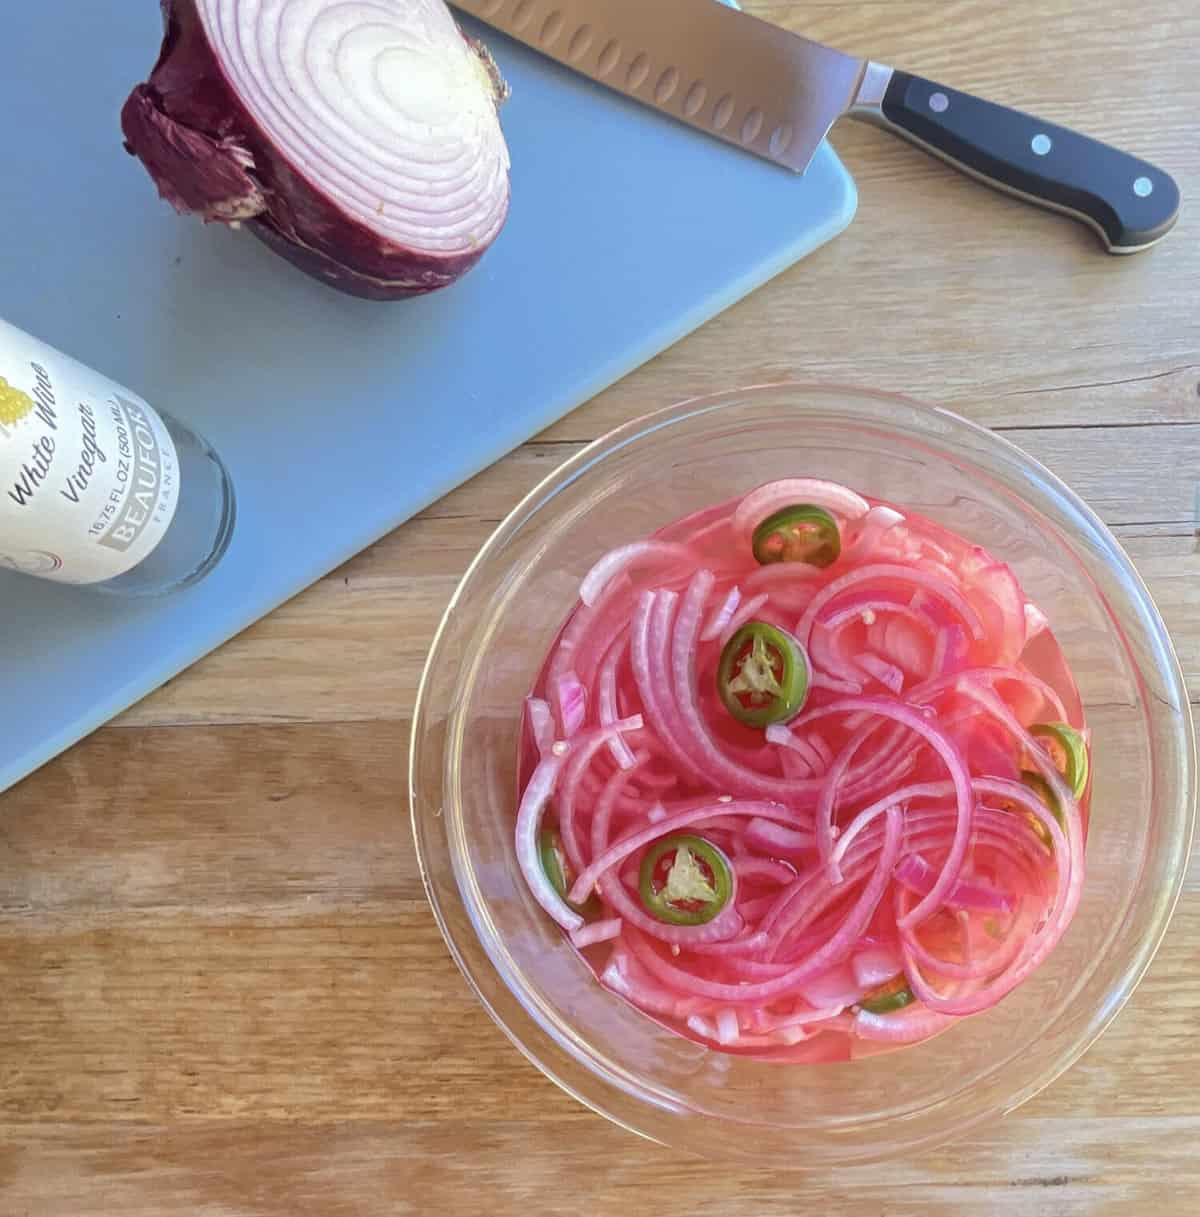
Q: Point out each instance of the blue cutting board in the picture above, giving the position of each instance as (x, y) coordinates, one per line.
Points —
(339, 418)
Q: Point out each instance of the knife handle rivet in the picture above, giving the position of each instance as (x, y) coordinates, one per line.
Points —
(668, 82)
(723, 112)
(939, 103)
(752, 124)
(580, 44)
(609, 58)
(1143, 187)
(522, 14)
(551, 28)
(1041, 144)
(639, 69)
(693, 101)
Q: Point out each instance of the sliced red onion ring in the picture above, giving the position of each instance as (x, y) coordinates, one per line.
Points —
(640, 553)
(950, 651)
(776, 838)
(763, 870)
(760, 503)
(627, 845)
(570, 704)
(541, 723)
(875, 965)
(529, 823)
(837, 987)
(797, 1018)
(596, 931)
(918, 875)
(1040, 943)
(829, 661)
(819, 961)
(779, 734)
(581, 752)
(606, 707)
(946, 748)
(742, 615)
(879, 520)
(1035, 621)
(993, 589)
(625, 976)
(790, 585)
(727, 1026)
(721, 616)
(901, 1027)
(944, 589)
(988, 677)
(886, 673)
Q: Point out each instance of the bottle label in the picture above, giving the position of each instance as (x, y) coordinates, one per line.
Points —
(89, 476)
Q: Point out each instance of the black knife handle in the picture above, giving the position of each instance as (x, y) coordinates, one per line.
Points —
(1130, 202)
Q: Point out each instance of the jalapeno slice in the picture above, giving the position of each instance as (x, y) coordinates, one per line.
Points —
(558, 871)
(889, 997)
(802, 533)
(1041, 788)
(685, 880)
(763, 675)
(1068, 751)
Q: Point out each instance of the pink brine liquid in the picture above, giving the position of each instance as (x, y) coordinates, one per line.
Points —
(897, 849)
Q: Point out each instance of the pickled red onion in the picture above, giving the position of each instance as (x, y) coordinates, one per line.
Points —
(760, 503)
(874, 839)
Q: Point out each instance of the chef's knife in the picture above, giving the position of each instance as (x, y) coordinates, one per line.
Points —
(777, 94)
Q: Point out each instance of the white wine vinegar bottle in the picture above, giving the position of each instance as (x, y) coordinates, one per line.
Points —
(98, 488)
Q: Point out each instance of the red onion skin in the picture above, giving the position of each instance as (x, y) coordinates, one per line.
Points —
(208, 156)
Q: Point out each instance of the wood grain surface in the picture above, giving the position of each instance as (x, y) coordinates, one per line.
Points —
(221, 991)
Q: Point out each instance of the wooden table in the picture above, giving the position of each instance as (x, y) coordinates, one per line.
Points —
(221, 991)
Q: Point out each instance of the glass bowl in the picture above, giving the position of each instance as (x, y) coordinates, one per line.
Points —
(493, 639)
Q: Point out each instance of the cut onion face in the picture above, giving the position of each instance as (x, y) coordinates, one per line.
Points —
(358, 138)
(891, 853)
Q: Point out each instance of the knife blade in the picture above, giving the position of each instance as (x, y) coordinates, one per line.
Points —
(777, 94)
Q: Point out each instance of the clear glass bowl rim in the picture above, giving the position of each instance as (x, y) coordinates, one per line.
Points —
(528, 1033)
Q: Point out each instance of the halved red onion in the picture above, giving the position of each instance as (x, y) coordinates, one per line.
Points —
(359, 140)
